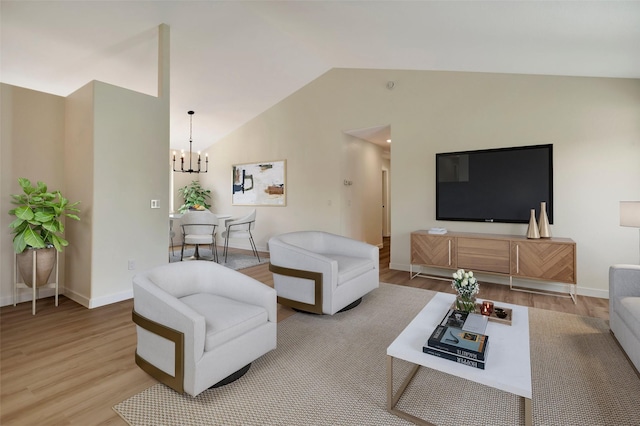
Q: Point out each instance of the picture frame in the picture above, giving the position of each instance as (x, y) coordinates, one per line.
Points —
(259, 184)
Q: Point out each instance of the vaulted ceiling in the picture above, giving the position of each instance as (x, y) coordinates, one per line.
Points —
(231, 60)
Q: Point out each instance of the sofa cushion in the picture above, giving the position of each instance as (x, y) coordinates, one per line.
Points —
(351, 267)
(225, 318)
(629, 312)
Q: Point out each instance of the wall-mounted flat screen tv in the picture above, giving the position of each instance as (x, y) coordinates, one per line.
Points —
(494, 185)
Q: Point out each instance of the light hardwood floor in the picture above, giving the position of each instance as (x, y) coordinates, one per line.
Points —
(69, 365)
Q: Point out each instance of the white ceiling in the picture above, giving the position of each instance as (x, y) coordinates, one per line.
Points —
(232, 60)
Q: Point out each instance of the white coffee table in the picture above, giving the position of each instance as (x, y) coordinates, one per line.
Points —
(508, 365)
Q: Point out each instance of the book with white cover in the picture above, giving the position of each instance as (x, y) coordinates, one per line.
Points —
(438, 231)
(476, 323)
(466, 321)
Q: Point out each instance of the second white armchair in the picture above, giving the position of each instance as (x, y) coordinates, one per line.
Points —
(323, 273)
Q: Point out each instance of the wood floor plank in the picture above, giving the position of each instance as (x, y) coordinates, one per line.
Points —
(69, 365)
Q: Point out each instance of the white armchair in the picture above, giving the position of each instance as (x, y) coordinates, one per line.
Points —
(319, 272)
(624, 309)
(198, 323)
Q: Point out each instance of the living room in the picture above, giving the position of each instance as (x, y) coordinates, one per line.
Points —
(590, 120)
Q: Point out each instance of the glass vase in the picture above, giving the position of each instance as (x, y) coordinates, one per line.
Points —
(465, 304)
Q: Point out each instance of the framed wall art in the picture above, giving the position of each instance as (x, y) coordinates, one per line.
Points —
(259, 184)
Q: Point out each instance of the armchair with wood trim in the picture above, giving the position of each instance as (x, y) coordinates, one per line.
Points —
(200, 324)
(322, 273)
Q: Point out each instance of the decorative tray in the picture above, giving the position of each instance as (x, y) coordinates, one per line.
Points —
(494, 317)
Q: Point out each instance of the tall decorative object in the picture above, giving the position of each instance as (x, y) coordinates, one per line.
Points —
(545, 231)
(533, 232)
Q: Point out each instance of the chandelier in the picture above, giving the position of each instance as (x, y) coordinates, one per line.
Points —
(206, 157)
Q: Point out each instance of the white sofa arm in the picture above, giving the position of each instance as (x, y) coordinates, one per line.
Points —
(157, 305)
(624, 280)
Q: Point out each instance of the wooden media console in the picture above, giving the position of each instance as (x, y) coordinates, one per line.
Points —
(545, 259)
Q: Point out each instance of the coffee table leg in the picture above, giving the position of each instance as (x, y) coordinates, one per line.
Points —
(528, 412)
(390, 403)
(392, 399)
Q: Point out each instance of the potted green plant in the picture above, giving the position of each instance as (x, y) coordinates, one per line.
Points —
(38, 226)
(195, 197)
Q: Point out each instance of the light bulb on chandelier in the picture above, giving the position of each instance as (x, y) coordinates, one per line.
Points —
(206, 157)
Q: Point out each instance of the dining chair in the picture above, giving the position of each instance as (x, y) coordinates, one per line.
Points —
(172, 234)
(240, 228)
(199, 227)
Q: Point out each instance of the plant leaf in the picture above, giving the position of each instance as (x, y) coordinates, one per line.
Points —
(25, 184)
(16, 223)
(18, 243)
(32, 238)
(24, 213)
(52, 226)
(59, 242)
(43, 216)
(42, 187)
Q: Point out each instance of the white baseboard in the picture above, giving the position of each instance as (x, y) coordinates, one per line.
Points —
(111, 298)
(24, 295)
(99, 301)
(78, 298)
(528, 284)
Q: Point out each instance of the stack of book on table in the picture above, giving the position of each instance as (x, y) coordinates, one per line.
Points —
(460, 337)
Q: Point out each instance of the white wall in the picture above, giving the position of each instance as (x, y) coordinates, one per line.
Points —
(306, 129)
(106, 147)
(32, 146)
(592, 123)
(119, 139)
(79, 146)
(130, 142)
(361, 207)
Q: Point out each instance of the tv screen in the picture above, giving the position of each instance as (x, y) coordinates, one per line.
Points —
(494, 185)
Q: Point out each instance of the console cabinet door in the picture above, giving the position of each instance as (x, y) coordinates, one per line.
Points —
(433, 250)
(543, 260)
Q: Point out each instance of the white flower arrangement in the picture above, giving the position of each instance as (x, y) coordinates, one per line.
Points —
(465, 284)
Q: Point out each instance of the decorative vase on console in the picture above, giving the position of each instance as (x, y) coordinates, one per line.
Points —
(532, 231)
(545, 231)
(466, 287)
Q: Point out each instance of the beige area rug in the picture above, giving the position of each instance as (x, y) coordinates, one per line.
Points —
(330, 370)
